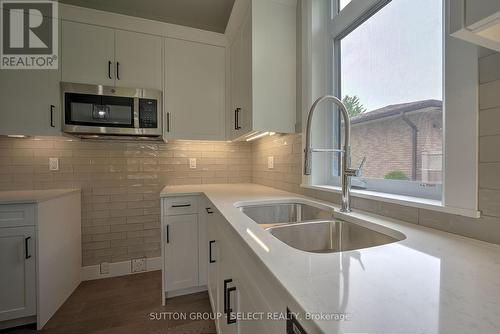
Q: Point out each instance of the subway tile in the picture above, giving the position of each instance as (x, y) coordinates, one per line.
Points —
(489, 202)
(489, 120)
(488, 96)
(489, 149)
(489, 69)
(485, 228)
(489, 176)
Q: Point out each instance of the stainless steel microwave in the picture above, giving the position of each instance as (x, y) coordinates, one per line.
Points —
(100, 111)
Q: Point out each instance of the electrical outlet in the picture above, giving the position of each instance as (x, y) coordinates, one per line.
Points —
(53, 163)
(138, 265)
(270, 162)
(192, 163)
(105, 268)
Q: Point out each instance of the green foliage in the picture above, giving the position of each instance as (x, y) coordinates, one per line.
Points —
(353, 105)
(396, 175)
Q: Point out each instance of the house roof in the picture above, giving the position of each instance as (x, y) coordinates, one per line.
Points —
(396, 109)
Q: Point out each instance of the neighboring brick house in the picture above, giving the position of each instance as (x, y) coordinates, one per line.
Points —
(404, 137)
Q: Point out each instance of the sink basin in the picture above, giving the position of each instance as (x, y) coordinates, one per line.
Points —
(284, 213)
(330, 236)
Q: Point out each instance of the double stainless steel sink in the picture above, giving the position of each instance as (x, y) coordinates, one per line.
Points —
(313, 228)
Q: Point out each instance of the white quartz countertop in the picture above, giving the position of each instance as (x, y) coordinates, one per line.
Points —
(430, 282)
(32, 196)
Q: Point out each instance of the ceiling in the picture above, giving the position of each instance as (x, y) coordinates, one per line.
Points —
(202, 14)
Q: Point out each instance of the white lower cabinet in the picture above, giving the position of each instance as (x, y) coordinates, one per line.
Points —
(18, 278)
(240, 291)
(184, 245)
(181, 252)
(40, 258)
(203, 252)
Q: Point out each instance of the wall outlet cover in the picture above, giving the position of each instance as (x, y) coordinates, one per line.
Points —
(53, 163)
(105, 268)
(138, 265)
(192, 163)
(270, 162)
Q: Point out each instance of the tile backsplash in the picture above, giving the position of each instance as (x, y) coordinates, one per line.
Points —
(120, 183)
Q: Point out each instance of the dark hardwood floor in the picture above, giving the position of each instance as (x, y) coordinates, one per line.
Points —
(123, 305)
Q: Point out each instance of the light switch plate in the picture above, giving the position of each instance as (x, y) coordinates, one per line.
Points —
(192, 163)
(138, 265)
(53, 163)
(270, 162)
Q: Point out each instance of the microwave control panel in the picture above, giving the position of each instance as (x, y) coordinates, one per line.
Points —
(148, 113)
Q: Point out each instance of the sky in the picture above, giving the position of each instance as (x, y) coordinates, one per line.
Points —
(395, 56)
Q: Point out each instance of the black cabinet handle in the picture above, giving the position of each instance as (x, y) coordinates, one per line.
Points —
(109, 68)
(230, 320)
(237, 119)
(209, 210)
(210, 243)
(226, 282)
(52, 110)
(168, 122)
(118, 70)
(168, 234)
(27, 254)
(180, 205)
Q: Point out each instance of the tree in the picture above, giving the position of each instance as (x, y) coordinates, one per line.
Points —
(353, 105)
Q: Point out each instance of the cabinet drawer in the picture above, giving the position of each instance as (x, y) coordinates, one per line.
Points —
(12, 215)
(181, 205)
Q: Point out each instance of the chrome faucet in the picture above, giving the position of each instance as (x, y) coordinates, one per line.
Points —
(346, 171)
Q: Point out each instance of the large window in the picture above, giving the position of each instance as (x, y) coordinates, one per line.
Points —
(387, 67)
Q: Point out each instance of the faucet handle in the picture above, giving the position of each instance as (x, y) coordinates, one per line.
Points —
(359, 171)
(356, 172)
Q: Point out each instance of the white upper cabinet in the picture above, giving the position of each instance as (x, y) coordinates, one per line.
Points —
(481, 12)
(87, 54)
(263, 68)
(195, 85)
(138, 60)
(29, 102)
(105, 56)
(476, 21)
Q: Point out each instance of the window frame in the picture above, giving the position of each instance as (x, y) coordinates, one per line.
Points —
(460, 104)
(336, 33)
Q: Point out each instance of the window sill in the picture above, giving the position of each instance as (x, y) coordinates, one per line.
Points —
(416, 202)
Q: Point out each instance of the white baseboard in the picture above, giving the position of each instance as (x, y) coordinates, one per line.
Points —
(118, 269)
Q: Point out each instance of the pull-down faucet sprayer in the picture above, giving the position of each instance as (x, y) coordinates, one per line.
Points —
(346, 171)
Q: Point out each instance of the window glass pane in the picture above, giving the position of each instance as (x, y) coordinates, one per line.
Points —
(391, 81)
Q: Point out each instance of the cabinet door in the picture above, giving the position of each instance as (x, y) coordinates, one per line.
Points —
(138, 60)
(241, 81)
(194, 90)
(213, 258)
(227, 287)
(235, 88)
(246, 63)
(181, 252)
(87, 54)
(478, 10)
(29, 102)
(18, 278)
